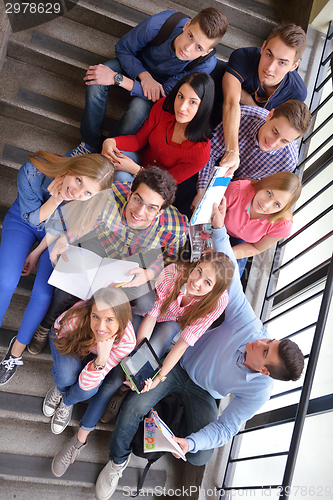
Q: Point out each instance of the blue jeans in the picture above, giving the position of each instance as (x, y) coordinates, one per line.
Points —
(95, 109)
(200, 409)
(122, 176)
(16, 241)
(241, 262)
(65, 372)
(160, 340)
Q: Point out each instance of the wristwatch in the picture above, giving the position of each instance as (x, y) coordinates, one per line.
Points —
(118, 79)
(161, 377)
(98, 367)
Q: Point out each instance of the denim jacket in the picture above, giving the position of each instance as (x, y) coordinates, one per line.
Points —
(32, 193)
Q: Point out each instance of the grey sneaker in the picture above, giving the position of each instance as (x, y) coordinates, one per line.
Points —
(107, 480)
(39, 340)
(82, 149)
(113, 407)
(61, 418)
(9, 364)
(52, 401)
(66, 456)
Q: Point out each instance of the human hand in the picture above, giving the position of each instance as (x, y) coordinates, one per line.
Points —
(99, 75)
(55, 188)
(149, 384)
(126, 164)
(231, 161)
(246, 99)
(219, 214)
(30, 263)
(128, 383)
(196, 199)
(151, 88)
(110, 150)
(183, 443)
(141, 277)
(59, 250)
(103, 348)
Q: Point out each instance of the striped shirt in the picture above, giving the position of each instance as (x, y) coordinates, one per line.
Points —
(90, 379)
(167, 232)
(254, 163)
(164, 284)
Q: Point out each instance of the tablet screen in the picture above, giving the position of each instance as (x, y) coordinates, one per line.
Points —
(140, 364)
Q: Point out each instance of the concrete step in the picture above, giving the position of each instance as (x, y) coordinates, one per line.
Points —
(45, 98)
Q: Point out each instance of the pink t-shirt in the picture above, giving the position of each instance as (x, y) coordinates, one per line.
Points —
(239, 195)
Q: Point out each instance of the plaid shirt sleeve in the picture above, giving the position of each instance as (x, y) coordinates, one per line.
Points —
(217, 149)
(173, 234)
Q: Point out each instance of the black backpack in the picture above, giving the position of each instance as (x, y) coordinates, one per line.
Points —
(171, 411)
(165, 32)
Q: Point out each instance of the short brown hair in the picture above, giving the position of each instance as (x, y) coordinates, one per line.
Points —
(292, 35)
(297, 114)
(291, 362)
(212, 22)
(283, 181)
(157, 180)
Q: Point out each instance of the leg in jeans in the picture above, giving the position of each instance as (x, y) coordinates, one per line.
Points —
(65, 372)
(133, 119)
(61, 301)
(241, 262)
(95, 108)
(200, 409)
(16, 242)
(162, 335)
(99, 402)
(123, 176)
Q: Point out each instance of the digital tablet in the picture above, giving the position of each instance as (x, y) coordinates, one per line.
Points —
(140, 364)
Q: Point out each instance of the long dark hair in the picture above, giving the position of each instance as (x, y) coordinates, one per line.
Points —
(198, 129)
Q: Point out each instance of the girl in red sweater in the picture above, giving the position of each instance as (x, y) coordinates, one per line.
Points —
(175, 136)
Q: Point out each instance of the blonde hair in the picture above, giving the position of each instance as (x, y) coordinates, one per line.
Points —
(95, 166)
(282, 181)
(224, 271)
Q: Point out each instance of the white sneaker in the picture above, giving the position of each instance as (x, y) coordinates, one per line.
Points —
(52, 401)
(61, 418)
(108, 479)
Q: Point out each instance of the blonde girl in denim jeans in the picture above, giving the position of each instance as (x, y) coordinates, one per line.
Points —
(44, 182)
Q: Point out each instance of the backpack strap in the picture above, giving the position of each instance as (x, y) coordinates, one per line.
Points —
(199, 60)
(143, 477)
(167, 27)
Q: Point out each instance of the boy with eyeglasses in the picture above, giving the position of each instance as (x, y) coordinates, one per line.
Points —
(138, 224)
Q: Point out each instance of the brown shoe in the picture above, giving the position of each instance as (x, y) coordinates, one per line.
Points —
(113, 407)
(39, 340)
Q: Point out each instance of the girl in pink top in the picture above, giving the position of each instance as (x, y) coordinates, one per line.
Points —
(91, 338)
(192, 296)
(258, 213)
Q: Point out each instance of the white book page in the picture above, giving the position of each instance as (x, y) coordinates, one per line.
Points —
(77, 275)
(213, 194)
(157, 440)
(113, 271)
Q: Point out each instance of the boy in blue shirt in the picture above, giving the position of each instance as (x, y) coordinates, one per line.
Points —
(148, 71)
(260, 76)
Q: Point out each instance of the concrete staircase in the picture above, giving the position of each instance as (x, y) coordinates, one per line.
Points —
(41, 102)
